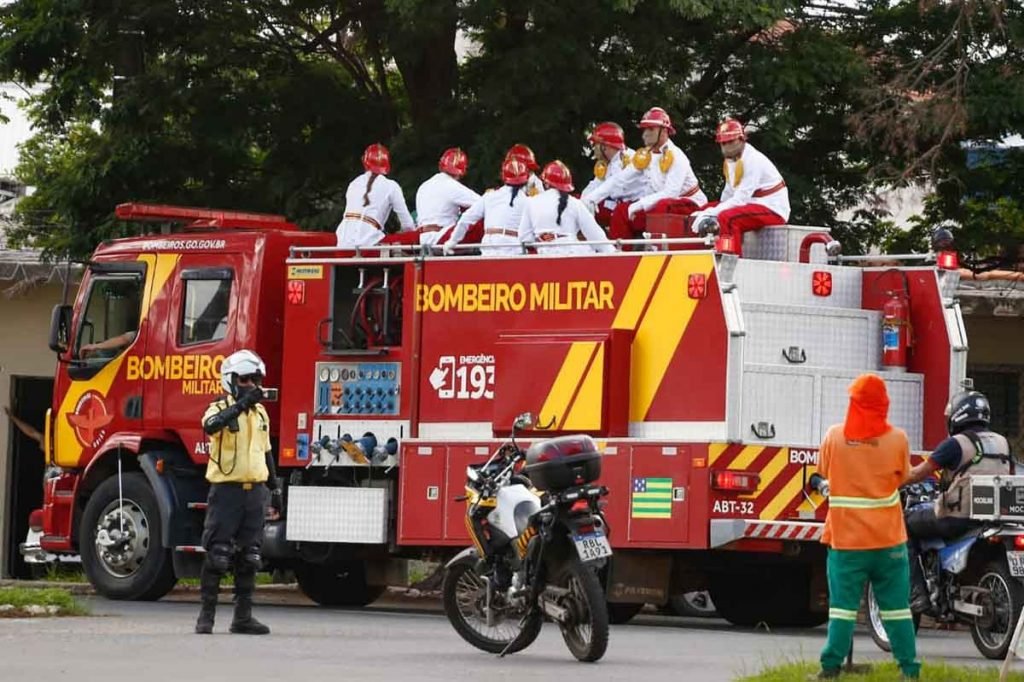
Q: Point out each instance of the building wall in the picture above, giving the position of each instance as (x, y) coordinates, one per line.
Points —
(23, 352)
(995, 347)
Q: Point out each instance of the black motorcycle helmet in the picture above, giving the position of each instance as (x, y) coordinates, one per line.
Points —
(967, 408)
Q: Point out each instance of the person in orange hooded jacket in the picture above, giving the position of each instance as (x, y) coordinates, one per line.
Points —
(865, 460)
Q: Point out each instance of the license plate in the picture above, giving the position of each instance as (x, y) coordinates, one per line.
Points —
(594, 546)
(1016, 562)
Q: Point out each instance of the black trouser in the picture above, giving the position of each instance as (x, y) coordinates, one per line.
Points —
(923, 524)
(233, 530)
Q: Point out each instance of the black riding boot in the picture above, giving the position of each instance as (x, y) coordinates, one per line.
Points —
(243, 623)
(209, 586)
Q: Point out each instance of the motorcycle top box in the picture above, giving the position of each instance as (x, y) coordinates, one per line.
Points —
(563, 462)
(996, 498)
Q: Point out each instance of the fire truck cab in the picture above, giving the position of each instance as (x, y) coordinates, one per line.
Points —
(707, 379)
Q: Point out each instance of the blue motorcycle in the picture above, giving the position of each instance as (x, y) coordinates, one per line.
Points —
(975, 579)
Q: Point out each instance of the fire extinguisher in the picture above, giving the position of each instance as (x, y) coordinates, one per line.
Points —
(896, 339)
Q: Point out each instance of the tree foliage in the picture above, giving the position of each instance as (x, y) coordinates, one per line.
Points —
(267, 104)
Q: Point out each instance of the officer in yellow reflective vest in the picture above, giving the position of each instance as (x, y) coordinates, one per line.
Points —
(240, 469)
(865, 460)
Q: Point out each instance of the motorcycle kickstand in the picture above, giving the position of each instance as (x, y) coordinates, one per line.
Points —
(522, 624)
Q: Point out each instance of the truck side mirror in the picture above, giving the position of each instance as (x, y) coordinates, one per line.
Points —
(60, 328)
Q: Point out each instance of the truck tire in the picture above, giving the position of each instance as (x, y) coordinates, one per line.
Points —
(337, 584)
(133, 565)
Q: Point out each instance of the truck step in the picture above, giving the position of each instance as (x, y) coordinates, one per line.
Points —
(198, 506)
(190, 549)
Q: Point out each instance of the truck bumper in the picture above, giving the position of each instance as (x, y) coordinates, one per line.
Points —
(724, 531)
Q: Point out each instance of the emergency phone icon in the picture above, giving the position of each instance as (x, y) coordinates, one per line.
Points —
(443, 377)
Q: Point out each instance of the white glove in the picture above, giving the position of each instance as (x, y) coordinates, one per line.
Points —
(633, 208)
(448, 248)
(590, 204)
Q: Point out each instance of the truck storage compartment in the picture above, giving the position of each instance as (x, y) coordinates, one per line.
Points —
(841, 338)
(560, 463)
(571, 381)
(796, 405)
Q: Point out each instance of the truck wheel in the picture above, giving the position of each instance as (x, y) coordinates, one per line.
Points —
(337, 584)
(693, 604)
(119, 541)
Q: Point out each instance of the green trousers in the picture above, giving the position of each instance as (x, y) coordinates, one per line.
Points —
(888, 570)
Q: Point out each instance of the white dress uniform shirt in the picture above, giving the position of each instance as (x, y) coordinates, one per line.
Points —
(501, 214)
(364, 225)
(752, 179)
(534, 186)
(439, 201)
(540, 224)
(677, 182)
(621, 182)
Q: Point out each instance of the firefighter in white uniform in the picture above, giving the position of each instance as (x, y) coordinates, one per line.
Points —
(369, 201)
(754, 195)
(613, 158)
(501, 211)
(671, 186)
(556, 218)
(520, 152)
(441, 199)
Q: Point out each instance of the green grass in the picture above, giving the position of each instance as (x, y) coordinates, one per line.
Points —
(63, 573)
(888, 672)
(22, 597)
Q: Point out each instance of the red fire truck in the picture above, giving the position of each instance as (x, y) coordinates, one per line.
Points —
(707, 379)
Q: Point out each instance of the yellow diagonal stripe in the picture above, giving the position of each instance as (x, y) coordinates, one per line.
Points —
(638, 291)
(585, 413)
(785, 496)
(769, 472)
(661, 329)
(569, 377)
(67, 449)
(748, 455)
(715, 451)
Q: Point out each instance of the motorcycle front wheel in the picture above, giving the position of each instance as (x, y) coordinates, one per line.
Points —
(874, 617)
(586, 630)
(993, 631)
(465, 604)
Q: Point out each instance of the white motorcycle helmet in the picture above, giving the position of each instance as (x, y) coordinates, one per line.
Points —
(240, 363)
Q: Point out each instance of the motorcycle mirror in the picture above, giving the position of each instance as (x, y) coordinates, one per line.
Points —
(472, 474)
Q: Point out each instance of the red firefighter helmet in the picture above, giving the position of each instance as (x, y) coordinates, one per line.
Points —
(656, 117)
(454, 162)
(376, 159)
(514, 172)
(556, 174)
(610, 134)
(520, 152)
(729, 130)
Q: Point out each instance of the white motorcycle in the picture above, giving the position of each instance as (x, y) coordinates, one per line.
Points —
(539, 538)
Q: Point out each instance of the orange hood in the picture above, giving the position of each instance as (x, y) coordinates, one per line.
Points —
(867, 415)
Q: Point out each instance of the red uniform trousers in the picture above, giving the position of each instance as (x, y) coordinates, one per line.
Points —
(624, 227)
(744, 218)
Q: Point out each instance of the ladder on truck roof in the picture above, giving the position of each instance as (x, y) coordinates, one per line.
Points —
(203, 218)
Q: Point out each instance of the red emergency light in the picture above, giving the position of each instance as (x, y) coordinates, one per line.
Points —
(296, 292)
(948, 260)
(735, 481)
(726, 244)
(821, 283)
(697, 285)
